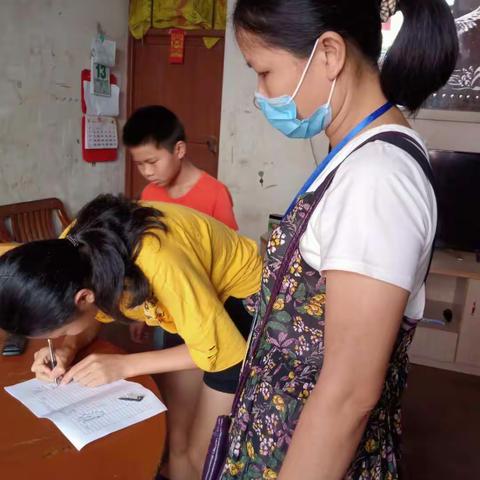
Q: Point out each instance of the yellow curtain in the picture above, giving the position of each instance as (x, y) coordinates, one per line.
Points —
(185, 14)
(220, 16)
(219, 22)
(140, 18)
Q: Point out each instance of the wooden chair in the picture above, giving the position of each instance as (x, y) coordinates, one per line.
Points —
(29, 221)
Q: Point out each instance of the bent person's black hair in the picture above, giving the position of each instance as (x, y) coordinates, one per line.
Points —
(39, 280)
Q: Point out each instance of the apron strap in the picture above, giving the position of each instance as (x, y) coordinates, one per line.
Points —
(413, 148)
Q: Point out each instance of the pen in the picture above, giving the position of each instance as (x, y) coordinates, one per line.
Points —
(53, 360)
(132, 398)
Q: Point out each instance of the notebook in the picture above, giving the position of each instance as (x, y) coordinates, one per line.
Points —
(85, 414)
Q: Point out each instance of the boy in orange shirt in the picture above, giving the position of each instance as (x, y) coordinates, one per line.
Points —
(156, 140)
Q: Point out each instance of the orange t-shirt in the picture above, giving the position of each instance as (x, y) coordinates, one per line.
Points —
(208, 196)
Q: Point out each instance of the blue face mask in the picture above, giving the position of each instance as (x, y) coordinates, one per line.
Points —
(281, 112)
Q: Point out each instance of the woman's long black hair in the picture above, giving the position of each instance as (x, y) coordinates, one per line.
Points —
(39, 280)
(420, 62)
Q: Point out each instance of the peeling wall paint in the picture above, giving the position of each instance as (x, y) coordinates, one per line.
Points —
(44, 45)
(249, 145)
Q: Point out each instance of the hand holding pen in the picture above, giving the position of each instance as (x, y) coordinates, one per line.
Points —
(62, 357)
(53, 360)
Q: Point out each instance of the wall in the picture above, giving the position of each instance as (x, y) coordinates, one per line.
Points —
(249, 145)
(44, 45)
(450, 135)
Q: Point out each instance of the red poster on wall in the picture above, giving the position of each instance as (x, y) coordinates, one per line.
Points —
(177, 46)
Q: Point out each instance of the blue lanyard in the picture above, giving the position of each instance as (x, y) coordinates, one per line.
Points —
(363, 124)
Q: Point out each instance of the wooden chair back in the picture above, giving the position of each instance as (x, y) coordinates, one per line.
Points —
(30, 221)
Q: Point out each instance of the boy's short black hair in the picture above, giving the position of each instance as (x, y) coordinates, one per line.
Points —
(153, 124)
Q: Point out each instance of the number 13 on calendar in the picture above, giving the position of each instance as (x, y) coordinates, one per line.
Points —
(100, 84)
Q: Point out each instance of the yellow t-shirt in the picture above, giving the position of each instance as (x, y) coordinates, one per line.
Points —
(5, 247)
(192, 269)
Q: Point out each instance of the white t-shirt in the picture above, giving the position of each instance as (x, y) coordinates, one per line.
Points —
(378, 218)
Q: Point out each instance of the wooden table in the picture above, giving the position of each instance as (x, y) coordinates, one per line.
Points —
(33, 448)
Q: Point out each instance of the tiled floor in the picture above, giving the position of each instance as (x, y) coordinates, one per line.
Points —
(442, 425)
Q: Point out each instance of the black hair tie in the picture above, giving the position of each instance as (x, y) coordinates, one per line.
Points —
(73, 240)
(388, 8)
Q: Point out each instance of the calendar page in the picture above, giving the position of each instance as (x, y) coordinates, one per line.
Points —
(100, 133)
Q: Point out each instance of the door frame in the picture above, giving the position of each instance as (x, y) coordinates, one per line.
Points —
(153, 32)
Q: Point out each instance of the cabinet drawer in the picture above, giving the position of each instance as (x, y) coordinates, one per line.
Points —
(434, 344)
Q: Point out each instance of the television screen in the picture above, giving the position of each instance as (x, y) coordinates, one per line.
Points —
(457, 177)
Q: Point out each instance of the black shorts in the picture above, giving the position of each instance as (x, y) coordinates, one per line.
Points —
(225, 381)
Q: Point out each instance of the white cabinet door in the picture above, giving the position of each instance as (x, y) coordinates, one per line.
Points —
(468, 351)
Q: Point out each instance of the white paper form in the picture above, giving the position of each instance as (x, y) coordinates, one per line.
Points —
(85, 414)
(103, 51)
(105, 106)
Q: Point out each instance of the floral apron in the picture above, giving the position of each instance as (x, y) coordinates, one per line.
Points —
(284, 370)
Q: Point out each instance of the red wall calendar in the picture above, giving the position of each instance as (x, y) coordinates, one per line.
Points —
(99, 134)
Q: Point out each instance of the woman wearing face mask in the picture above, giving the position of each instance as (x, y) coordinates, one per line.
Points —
(343, 285)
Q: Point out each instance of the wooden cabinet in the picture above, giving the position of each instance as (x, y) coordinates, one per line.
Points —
(453, 286)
